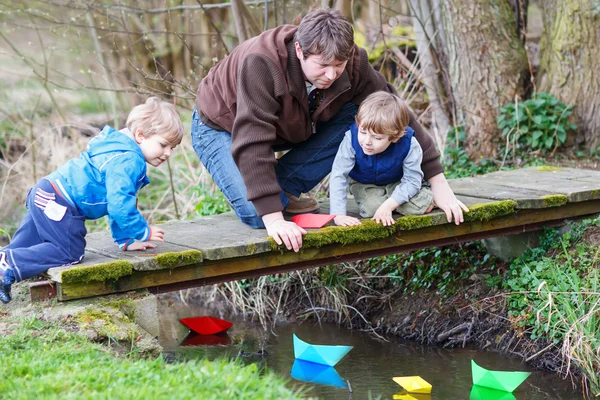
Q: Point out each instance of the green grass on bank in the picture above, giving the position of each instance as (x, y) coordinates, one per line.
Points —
(40, 360)
(554, 296)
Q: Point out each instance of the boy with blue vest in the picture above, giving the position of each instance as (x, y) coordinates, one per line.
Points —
(103, 181)
(380, 160)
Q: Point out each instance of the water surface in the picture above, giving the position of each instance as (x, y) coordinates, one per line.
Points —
(368, 368)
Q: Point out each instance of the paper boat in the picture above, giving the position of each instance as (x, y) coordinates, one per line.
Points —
(483, 393)
(317, 373)
(206, 325)
(320, 354)
(312, 220)
(194, 339)
(413, 384)
(506, 381)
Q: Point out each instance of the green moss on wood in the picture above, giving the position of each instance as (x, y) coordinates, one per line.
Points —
(409, 222)
(367, 231)
(174, 260)
(488, 211)
(546, 168)
(555, 200)
(99, 272)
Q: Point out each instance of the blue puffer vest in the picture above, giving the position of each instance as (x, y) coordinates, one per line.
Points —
(383, 168)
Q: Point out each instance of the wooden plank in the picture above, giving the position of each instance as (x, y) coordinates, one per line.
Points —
(89, 260)
(223, 270)
(477, 188)
(207, 235)
(529, 186)
(101, 243)
(577, 185)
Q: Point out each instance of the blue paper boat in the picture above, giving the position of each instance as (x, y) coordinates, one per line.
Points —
(320, 354)
(317, 373)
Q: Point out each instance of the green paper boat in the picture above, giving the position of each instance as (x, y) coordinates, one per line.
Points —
(506, 381)
(320, 354)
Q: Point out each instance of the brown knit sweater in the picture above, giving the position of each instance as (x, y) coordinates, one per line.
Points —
(258, 94)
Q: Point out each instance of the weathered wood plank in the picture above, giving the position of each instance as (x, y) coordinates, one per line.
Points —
(220, 247)
(218, 237)
(90, 259)
(577, 185)
(524, 197)
(226, 269)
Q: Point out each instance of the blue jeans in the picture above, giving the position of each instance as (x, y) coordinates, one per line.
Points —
(298, 171)
(41, 242)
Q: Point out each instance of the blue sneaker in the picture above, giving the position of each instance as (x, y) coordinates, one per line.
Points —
(7, 278)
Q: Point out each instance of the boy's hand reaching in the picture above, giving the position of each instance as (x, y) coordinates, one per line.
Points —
(345, 220)
(157, 234)
(137, 246)
(383, 215)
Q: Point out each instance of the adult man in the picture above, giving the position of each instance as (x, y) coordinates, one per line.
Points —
(294, 88)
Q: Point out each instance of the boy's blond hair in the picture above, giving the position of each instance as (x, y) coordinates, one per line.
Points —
(326, 33)
(156, 116)
(384, 113)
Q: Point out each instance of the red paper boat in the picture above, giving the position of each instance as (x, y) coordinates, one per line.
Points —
(193, 339)
(206, 325)
(312, 220)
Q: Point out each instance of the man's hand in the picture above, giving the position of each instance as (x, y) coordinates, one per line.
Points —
(136, 246)
(345, 220)
(283, 231)
(157, 234)
(383, 215)
(444, 198)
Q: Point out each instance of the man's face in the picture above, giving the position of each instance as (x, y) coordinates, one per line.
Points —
(372, 142)
(317, 72)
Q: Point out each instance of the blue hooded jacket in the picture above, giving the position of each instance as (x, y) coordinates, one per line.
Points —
(105, 181)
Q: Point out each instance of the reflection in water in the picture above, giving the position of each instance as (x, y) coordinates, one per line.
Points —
(368, 368)
(194, 339)
(321, 374)
(411, 396)
(482, 393)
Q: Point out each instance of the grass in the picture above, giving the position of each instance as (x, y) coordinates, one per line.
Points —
(74, 368)
(554, 296)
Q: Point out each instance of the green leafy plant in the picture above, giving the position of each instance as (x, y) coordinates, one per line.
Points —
(537, 124)
(457, 163)
(211, 202)
(439, 269)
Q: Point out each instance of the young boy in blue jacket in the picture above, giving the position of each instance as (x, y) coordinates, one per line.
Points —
(103, 181)
(380, 160)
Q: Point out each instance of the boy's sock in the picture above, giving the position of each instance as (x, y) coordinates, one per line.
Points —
(7, 278)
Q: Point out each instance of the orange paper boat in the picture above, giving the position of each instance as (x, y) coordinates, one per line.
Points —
(312, 220)
(206, 325)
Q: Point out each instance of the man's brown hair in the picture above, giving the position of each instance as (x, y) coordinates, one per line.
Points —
(327, 33)
(384, 113)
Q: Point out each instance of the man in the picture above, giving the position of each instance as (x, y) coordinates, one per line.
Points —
(296, 88)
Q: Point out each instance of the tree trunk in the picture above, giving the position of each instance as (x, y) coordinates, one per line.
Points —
(487, 65)
(237, 10)
(429, 35)
(569, 67)
(345, 7)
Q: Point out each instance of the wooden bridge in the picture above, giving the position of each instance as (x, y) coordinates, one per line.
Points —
(220, 248)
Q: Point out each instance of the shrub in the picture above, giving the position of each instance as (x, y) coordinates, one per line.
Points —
(538, 124)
